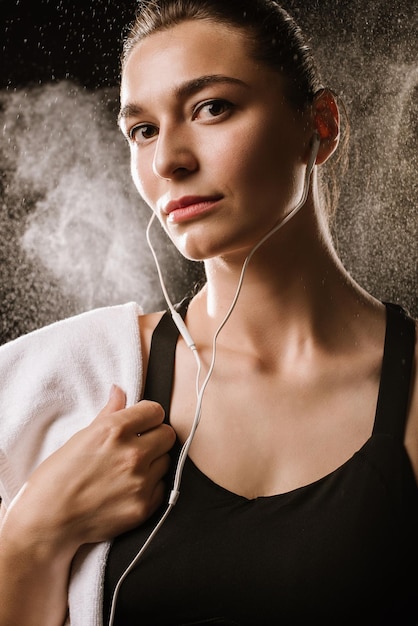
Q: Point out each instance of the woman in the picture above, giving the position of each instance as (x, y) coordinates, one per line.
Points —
(298, 500)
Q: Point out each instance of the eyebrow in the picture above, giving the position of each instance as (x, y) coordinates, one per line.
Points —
(185, 90)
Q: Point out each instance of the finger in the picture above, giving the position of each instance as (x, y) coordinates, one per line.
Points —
(116, 401)
(159, 468)
(158, 496)
(144, 416)
(157, 442)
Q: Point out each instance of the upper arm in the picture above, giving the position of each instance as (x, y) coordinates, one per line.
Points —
(411, 439)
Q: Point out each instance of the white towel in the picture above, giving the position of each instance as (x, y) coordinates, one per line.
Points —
(54, 381)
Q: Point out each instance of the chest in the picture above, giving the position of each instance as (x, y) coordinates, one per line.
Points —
(263, 433)
(342, 545)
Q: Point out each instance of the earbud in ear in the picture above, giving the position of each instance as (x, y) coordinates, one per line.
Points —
(321, 127)
(315, 144)
(326, 122)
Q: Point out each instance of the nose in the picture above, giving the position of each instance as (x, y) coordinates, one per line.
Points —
(174, 156)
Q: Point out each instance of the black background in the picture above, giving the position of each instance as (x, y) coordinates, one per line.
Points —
(359, 44)
(43, 40)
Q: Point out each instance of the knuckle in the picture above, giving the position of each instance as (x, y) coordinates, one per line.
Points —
(158, 496)
(144, 500)
(169, 433)
(147, 509)
(135, 457)
(145, 505)
(136, 513)
(154, 409)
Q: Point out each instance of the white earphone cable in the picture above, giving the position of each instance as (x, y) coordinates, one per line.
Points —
(178, 320)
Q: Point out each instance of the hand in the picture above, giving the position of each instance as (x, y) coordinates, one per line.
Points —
(105, 480)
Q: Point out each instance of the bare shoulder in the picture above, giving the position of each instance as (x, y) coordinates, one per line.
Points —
(411, 440)
(147, 324)
(2, 512)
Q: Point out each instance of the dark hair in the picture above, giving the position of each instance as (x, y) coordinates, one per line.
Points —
(275, 39)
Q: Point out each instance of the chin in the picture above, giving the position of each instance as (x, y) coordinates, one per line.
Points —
(189, 250)
(193, 255)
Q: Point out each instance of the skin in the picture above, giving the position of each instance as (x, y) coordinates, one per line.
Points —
(115, 484)
(305, 338)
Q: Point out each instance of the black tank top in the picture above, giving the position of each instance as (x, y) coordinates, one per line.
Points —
(342, 550)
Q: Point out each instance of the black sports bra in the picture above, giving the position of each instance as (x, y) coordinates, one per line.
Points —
(342, 550)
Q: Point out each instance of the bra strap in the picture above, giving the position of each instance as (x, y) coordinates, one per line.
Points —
(396, 374)
(160, 370)
(395, 379)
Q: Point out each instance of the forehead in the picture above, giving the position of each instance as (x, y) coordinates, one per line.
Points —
(182, 52)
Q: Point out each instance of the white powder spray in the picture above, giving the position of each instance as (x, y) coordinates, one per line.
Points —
(73, 225)
(85, 223)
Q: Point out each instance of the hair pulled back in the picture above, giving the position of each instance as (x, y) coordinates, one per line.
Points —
(274, 37)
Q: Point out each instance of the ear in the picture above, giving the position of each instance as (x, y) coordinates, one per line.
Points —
(326, 121)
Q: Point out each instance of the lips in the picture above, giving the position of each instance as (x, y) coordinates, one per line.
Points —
(190, 207)
(188, 201)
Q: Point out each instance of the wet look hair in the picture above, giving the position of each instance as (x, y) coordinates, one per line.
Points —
(274, 37)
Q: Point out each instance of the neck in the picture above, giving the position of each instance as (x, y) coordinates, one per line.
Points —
(294, 282)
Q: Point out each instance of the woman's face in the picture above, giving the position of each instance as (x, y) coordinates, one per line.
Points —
(216, 151)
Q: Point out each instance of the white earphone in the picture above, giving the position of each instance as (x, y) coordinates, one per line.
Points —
(178, 320)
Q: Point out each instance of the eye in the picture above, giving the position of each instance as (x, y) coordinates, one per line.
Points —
(141, 133)
(212, 109)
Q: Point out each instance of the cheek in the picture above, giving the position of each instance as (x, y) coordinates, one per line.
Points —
(142, 177)
(258, 160)
(232, 157)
